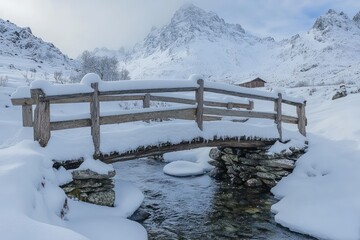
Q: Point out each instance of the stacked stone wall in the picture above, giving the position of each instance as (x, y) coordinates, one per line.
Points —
(87, 185)
(253, 167)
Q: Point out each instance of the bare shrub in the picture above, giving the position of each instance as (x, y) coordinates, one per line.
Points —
(4, 81)
(58, 76)
(105, 67)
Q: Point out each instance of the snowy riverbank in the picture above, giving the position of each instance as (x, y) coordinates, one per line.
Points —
(320, 198)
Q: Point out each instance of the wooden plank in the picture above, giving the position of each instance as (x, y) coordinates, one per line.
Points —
(226, 105)
(41, 117)
(81, 99)
(110, 98)
(95, 118)
(146, 101)
(289, 119)
(195, 143)
(239, 94)
(237, 113)
(211, 118)
(172, 99)
(151, 90)
(104, 98)
(187, 114)
(248, 95)
(65, 97)
(27, 115)
(302, 119)
(22, 101)
(291, 102)
(199, 96)
(278, 110)
(192, 102)
(78, 123)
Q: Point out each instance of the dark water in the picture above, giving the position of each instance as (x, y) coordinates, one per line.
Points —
(200, 207)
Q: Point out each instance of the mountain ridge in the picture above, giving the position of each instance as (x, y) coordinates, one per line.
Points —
(196, 41)
(20, 42)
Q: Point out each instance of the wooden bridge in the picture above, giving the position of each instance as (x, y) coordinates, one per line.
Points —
(198, 108)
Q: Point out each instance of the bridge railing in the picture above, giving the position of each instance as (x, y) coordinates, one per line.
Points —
(195, 108)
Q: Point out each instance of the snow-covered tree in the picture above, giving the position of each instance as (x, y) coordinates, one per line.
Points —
(124, 74)
(106, 67)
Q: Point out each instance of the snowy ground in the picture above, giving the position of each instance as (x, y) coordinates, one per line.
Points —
(320, 198)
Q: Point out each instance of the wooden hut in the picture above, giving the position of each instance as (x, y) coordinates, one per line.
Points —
(255, 83)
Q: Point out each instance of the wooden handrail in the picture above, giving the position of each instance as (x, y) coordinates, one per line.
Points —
(200, 109)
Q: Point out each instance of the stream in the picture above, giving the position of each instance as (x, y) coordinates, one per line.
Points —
(199, 207)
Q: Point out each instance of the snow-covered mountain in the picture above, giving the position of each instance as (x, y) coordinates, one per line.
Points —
(20, 42)
(25, 57)
(196, 41)
(328, 53)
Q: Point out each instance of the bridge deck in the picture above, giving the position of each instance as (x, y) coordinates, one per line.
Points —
(140, 139)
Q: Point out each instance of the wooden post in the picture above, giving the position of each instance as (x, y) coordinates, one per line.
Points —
(278, 110)
(199, 95)
(251, 105)
(41, 117)
(146, 101)
(95, 119)
(27, 116)
(301, 119)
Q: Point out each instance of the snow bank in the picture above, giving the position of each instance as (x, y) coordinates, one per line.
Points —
(96, 166)
(187, 163)
(30, 199)
(32, 204)
(322, 197)
(183, 169)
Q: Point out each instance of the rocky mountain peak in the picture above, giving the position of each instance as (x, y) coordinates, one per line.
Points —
(356, 19)
(195, 17)
(188, 24)
(17, 41)
(331, 20)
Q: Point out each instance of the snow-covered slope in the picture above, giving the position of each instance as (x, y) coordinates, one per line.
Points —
(197, 41)
(201, 42)
(328, 53)
(16, 41)
(25, 57)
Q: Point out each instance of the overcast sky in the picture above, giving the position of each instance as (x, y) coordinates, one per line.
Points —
(77, 25)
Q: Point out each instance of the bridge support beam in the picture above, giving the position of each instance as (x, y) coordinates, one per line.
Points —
(95, 119)
(146, 101)
(199, 95)
(41, 117)
(278, 117)
(195, 143)
(301, 119)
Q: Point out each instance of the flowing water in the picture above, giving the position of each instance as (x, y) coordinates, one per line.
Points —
(199, 207)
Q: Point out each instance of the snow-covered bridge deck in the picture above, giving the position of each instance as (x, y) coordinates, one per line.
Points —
(196, 114)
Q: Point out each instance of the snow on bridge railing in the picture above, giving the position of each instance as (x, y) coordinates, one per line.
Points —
(93, 90)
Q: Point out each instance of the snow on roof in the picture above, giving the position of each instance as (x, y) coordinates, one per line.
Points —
(249, 80)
